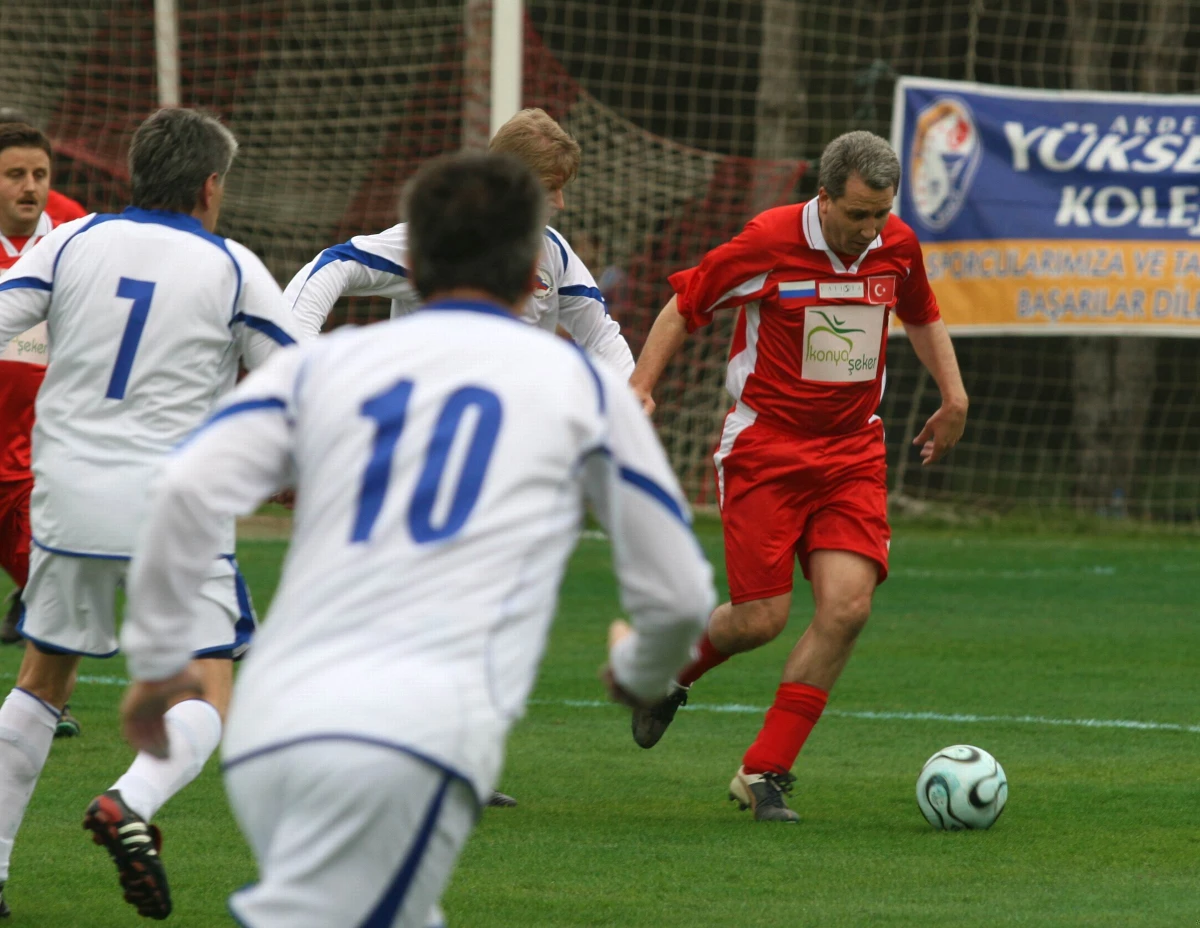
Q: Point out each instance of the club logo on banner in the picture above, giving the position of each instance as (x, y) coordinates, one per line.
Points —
(1067, 210)
(944, 157)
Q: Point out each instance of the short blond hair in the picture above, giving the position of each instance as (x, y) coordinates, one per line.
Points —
(550, 150)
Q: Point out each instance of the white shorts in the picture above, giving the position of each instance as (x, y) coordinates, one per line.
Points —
(69, 606)
(347, 832)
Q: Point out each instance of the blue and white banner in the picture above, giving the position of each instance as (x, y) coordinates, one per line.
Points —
(1045, 211)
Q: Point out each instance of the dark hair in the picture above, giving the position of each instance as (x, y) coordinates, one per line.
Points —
(475, 221)
(173, 153)
(23, 135)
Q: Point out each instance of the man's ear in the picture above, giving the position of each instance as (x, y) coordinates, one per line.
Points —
(208, 191)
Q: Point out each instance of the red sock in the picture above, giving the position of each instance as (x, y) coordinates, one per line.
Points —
(709, 658)
(789, 721)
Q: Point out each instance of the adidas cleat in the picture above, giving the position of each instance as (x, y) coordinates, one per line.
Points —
(133, 844)
(763, 792)
(5, 911)
(501, 801)
(649, 725)
(68, 726)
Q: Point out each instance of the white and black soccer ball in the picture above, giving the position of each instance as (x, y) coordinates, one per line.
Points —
(962, 787)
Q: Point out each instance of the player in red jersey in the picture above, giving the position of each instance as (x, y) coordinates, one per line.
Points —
(801, 472)
(24, 219)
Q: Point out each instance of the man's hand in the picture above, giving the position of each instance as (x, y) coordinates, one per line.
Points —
(941, 432)
(617, 631)
(644, 397)
(144, 706)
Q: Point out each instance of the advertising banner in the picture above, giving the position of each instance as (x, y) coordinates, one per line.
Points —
(1053, 212)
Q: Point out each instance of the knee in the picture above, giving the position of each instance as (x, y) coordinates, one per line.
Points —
(761, 621)
(845, 617)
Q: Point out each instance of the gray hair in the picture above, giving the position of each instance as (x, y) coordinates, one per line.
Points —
(863, 153)
(173, 153)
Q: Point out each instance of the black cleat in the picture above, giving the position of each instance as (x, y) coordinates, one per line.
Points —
(68, 726)
(8, 630)
(649, 725)
(763, 792)
(133, 844)
(501, 801)
(5, 911)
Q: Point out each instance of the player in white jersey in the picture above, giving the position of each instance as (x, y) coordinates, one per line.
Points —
(564, 292)
(442, 462)
(149, 313)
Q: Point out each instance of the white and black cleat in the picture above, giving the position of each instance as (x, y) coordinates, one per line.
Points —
(764, 793)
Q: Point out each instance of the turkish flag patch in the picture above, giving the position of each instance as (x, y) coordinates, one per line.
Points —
(881, 290)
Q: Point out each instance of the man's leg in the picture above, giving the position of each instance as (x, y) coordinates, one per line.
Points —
(843, 585)
(27, 721)
(119, 818)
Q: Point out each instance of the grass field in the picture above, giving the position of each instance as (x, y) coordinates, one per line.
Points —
(1022, 636)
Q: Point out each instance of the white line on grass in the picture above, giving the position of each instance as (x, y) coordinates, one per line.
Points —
(907, 716)
(868, 714)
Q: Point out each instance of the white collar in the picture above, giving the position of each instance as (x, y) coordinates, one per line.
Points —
(811, 223)
(43, 227)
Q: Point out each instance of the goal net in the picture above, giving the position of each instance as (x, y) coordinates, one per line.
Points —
(692, 117)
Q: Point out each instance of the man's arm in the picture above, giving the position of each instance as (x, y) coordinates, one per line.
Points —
(264, 320)
(26, 287)
(667, 335)
(367, 265)
(228, 467)
(584, 315)
(666, 582)
(945, 427)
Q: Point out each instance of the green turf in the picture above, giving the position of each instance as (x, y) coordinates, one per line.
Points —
(1102, 827)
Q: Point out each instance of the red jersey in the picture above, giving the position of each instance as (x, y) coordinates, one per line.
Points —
(61, 208)
(809, 357)
(22, 369)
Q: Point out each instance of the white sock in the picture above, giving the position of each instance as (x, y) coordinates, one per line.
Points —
(26, 733)
(193, 733)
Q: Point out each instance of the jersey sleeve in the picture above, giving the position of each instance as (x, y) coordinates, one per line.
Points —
(27, 287)
(233, 462)
(262, 321)
(728, 276)
(666, 582)
(367, 265)
(583, 313)
(915, 302)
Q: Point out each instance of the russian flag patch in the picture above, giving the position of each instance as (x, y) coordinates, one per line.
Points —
(797, 289)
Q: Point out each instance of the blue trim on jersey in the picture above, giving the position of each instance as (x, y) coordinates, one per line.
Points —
(65, 553)
(595, 376)
(648, 486)
(266, 326)
(230, 763)
(269, 402)
(472, 306)
(27, 283)
(584, 290)
(95, 220)
(392, 902)
(350, 252)
(562, 249)
(45, 705)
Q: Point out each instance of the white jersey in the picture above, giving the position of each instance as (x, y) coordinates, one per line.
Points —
(442, 462)
(149, 315)
(377, 265)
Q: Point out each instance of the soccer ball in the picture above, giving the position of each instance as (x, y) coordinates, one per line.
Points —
(962, 787)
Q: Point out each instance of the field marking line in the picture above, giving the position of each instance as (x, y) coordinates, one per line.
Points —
(864, 714)
(873, 715)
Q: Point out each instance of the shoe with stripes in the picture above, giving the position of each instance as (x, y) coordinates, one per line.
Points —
(501, 800)
(68, 726)
(764, 793)
(133, 844)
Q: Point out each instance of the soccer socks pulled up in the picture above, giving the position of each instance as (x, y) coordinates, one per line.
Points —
(26, 732)
(708, 658)
(789, 722)
(193, 733)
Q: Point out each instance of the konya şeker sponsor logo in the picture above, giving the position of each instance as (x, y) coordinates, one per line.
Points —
(830, 342)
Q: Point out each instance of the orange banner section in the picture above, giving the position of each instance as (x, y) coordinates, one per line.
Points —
(1067, 286)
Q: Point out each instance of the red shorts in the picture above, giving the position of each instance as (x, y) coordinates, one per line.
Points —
(14, 529)
(784, 496)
